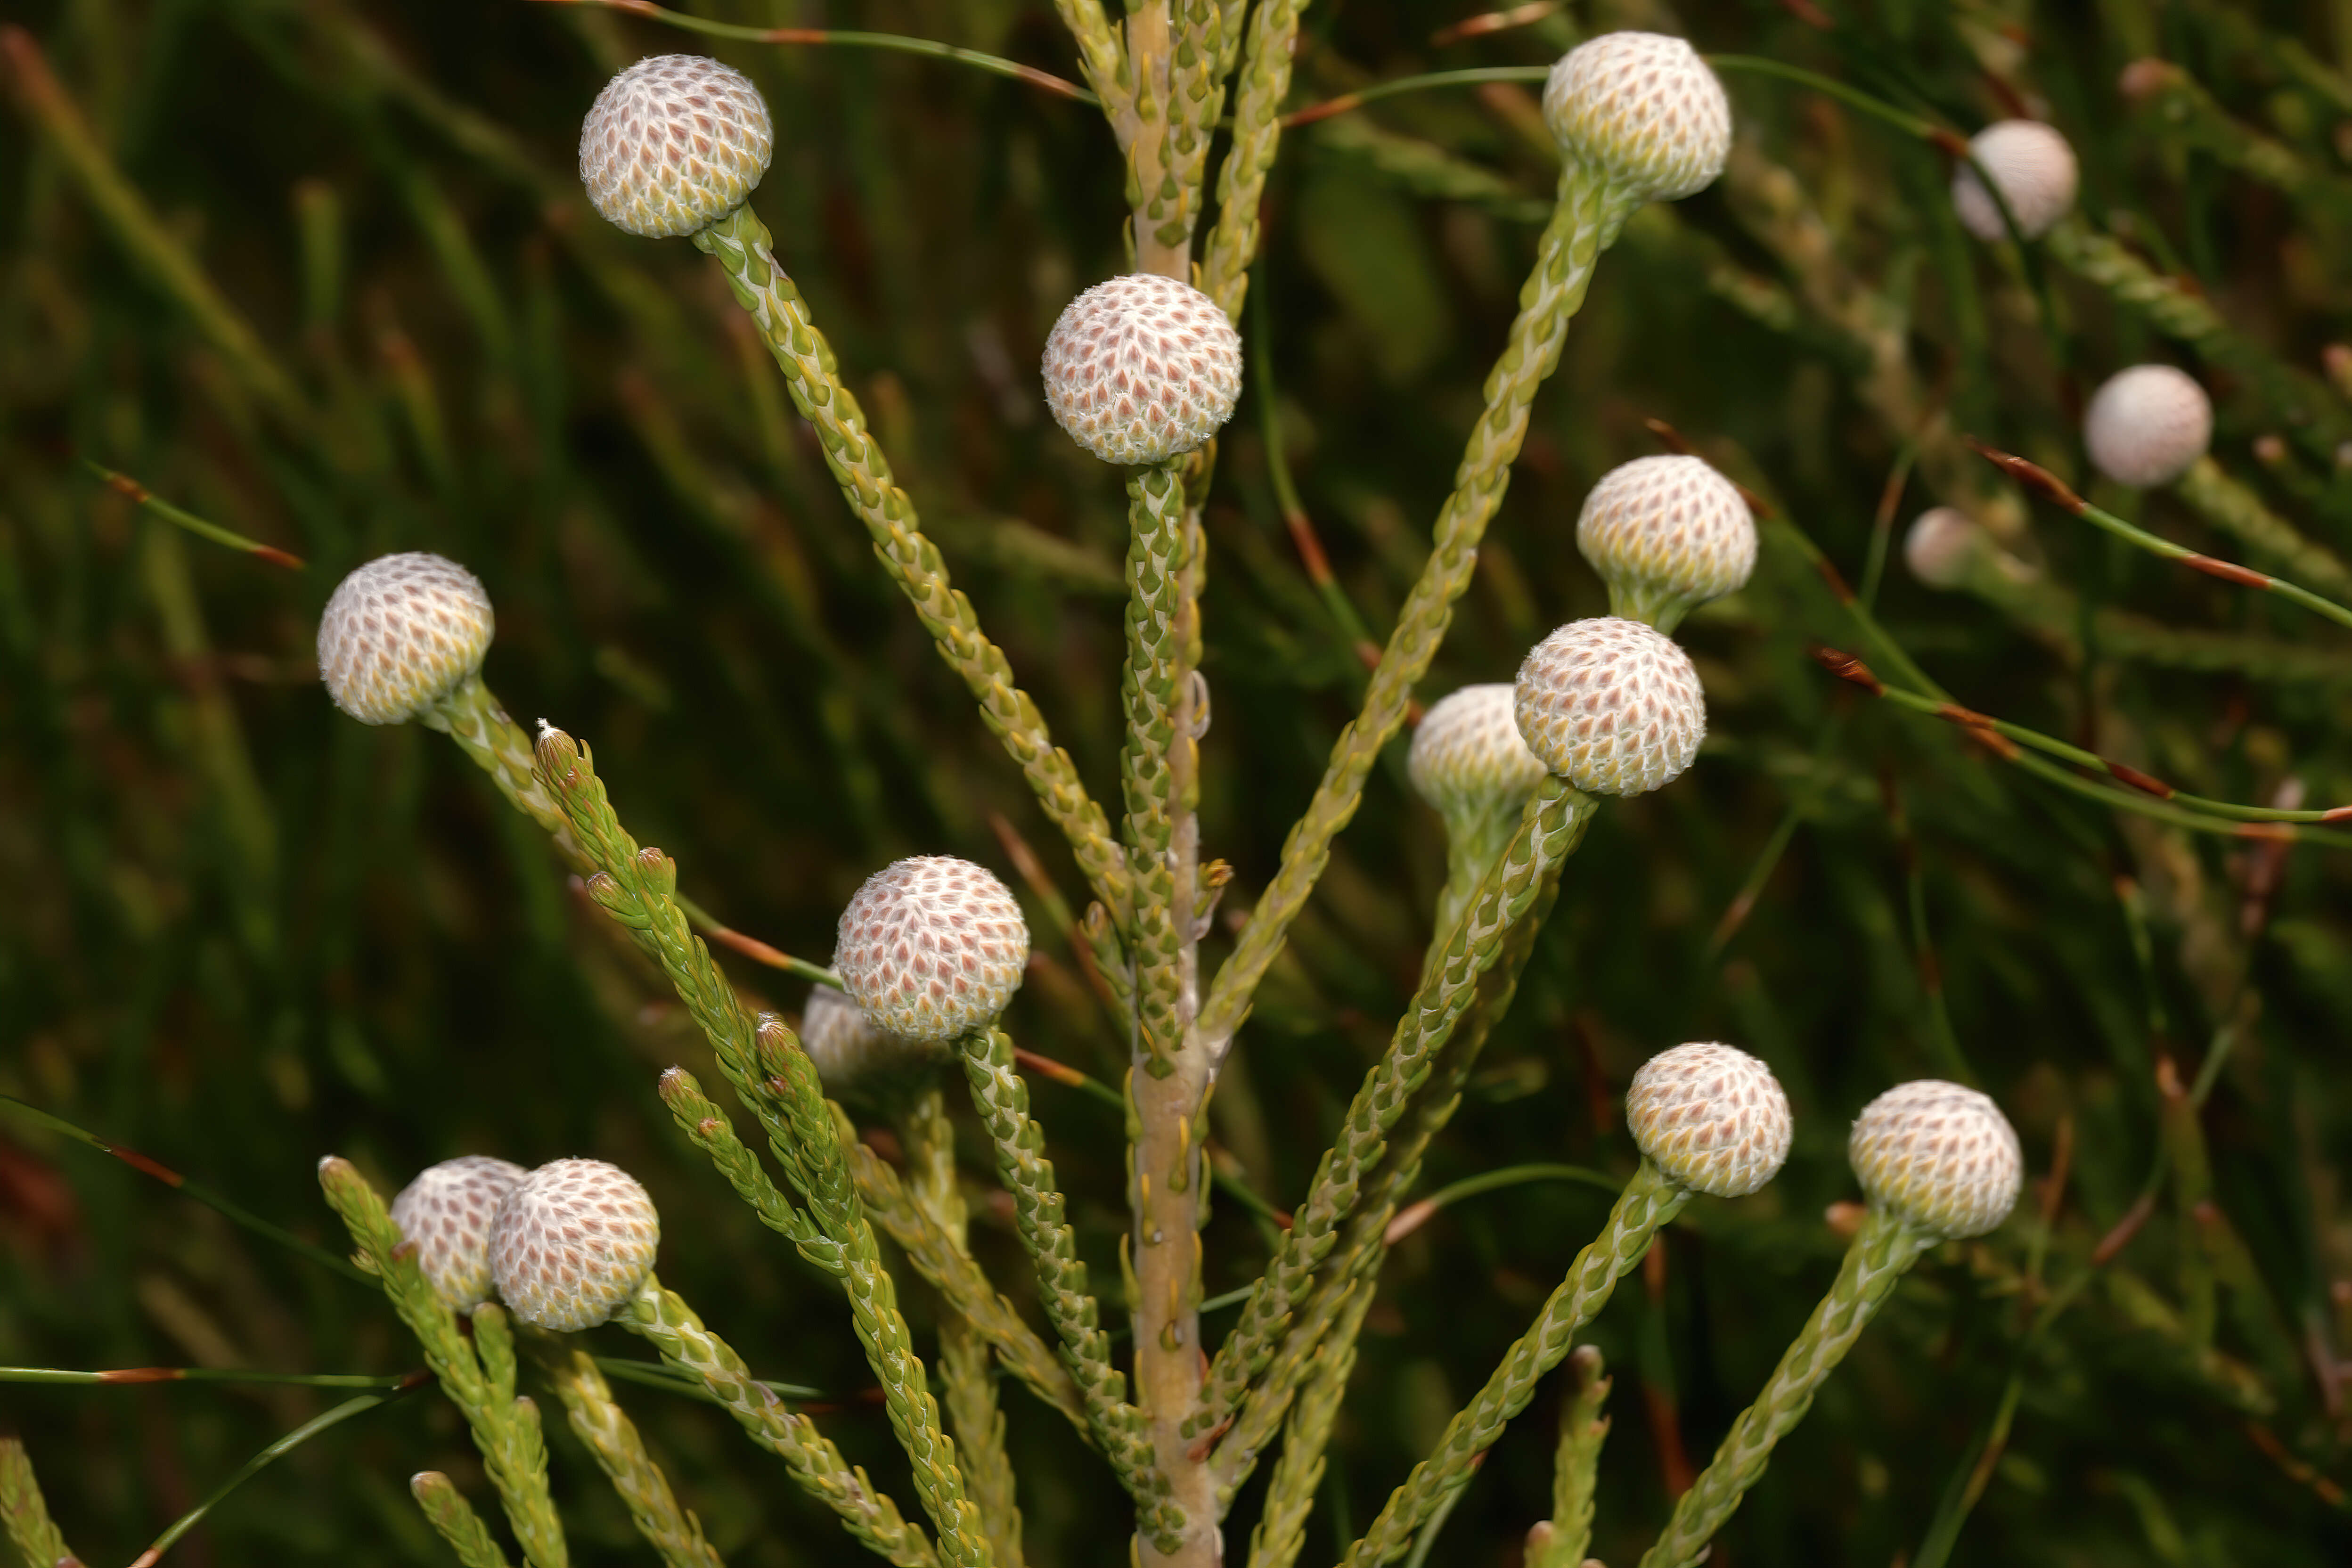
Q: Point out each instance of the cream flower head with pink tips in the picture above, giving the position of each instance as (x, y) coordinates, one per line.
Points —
(572, 1244)
(1939, 1156)
(1644, 110)
(1710, 1117)
(673, 144)
(400, 634)
(446, 1214)
(2033, 167)
(1610, 705)
(931, 947)
(1142, 369)
(2148, 425)
(1667, 534)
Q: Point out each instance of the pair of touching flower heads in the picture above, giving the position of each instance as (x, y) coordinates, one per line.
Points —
(564, 1246)
(1936, 1160)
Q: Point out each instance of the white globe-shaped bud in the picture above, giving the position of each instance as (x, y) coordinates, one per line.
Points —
(1644, 109)
(1667, 531)
(1142, 369)
(446, 1214)
(1939, 1156)
(1711, 1117)
(2034, 168)
(849, 1052)
(574, 1244)
(400, 634)
(931, 947)
(1943, 544)
(2148, 425)
(673, 144)
(1467, 757)
(1610, 705)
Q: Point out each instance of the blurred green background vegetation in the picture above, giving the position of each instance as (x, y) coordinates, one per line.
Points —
(241, 930)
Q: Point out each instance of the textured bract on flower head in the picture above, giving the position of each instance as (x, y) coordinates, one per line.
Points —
(1939, 1156)
(2034, 168)
(1711, 1117)
(400, 634)
(1142, 368)
(1668, 527)
(447, 1212)
(673, 144)
(1610, 705)
(931, 947)
(1467, 756)
(572, 1244)
(1642, 109)
(850, 1054)
(2148, 425)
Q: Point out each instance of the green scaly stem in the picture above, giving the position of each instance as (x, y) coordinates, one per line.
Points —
(1885, 1247)
(1586, 220)
(600, 1422)
(2240, 514)
(1257, 132)
(664, 1319)
(1362, 1247)
(741, 243)
(1100, 59)
(950, 1270)
(478, 1374)
(1290, 1490)
(1156, 673)
(473, 717)
(1574, 1469)
(1650, 1200)
(25, 1511)
(1524, 879)
(928, 1137)
(639, 888)
(1002, 1100)
(446, 1509)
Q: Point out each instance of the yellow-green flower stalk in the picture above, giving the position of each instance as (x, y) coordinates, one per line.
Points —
(674, 146)
(1939, 1163)
(1608, 707)
(1143, 371)
(1708, 1119)
(1639, 118)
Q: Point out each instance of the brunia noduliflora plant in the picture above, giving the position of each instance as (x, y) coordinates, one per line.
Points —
(1141, 370)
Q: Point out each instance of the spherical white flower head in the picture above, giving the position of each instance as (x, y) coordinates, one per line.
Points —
(1467, 756)
(1142, 368)
(849, 1052)
(931, 947)
(572, 1244)
(2148, 425)
(1644, 109)
(1668, 527)
(2036, 170)
(1711, 1117)
(447, 1212)
(400, 634)
(1943, 541)
(673, 144)
(1939, 1156)
(1611, 706)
